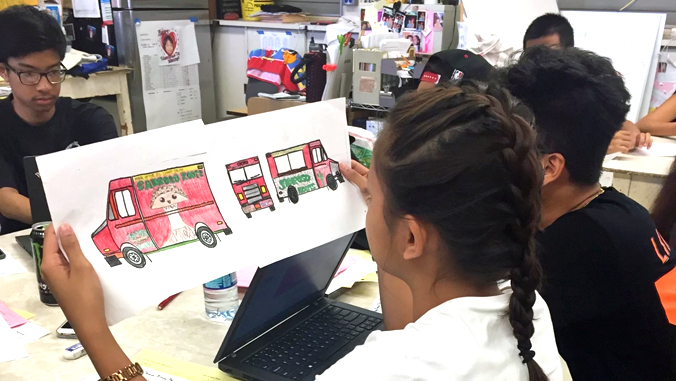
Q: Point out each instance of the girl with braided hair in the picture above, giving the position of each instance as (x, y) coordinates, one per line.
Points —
(454, 203)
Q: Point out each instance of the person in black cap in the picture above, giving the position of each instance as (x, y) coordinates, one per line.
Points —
(454, 66)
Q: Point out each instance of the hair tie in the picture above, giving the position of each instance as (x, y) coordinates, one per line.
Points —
(528, 356)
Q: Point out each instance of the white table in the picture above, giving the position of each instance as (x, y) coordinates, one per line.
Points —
(640, 177)
(111, 82)
(181, 330)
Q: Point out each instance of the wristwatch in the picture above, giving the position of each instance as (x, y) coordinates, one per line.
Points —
(126, 373)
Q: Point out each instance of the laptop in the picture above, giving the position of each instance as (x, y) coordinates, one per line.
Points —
(285, 329)
(37, 198)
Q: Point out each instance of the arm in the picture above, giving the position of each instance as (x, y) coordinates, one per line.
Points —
(15, 206)
(94, 124)
(661, 121)
(78, 290)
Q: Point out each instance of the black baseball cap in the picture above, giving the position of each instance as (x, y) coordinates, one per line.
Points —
(456, 65)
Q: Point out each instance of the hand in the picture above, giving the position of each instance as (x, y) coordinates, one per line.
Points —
(75, 284)
(623, 141)
(644, 140)
(357, 175)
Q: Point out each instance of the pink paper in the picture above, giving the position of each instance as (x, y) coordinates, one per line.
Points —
(245, 276)
(12, 318)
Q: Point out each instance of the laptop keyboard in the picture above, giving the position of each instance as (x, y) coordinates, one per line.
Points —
(299, 351)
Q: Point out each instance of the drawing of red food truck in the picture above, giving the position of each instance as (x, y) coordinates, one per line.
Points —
(157, 211)
(249, 185)
(302, 169)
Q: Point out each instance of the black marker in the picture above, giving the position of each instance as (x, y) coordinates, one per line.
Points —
(2, 254)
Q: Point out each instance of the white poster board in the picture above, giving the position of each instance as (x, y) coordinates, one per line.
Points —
(266, 187)
(631, 41)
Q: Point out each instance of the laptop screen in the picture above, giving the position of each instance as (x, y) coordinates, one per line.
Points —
(281, 289)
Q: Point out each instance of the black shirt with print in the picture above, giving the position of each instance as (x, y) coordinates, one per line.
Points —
(601, 264)
(74, 123)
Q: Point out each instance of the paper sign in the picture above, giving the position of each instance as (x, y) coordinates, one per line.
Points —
(162, 363)
(11, 317)
(86, 9)
(187, 204)
(274, 40)
(169, 58)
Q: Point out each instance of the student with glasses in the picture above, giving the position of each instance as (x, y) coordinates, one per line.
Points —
(34, 120)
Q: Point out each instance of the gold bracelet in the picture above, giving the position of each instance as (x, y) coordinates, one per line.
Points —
(126, 373)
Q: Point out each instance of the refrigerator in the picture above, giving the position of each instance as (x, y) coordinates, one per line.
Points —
(125, 14)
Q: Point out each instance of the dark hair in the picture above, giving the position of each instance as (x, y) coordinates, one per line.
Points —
(549, 24)
(579, 102)
(26, 30)
(167, 38)
(663, 210)
(461, 159)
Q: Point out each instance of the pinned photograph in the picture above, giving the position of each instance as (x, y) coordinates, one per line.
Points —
(169, 46)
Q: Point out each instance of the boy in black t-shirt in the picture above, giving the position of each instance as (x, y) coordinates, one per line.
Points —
(607, 271)
(34, 120)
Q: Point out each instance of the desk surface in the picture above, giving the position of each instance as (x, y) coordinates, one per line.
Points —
(181, 330)
(633, 163)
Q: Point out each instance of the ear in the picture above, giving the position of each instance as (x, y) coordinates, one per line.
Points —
(553, 164)
(3, 73)
(417, 238)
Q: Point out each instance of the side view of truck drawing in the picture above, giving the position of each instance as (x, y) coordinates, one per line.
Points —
(249, 185)
(302, 169)
(158, 211)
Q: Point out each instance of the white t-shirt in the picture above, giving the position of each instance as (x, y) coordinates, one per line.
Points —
(462, 339)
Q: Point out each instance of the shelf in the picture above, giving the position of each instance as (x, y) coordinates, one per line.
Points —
(368, 107)
(271, 25)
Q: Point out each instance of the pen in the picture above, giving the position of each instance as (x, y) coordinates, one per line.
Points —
(166, 301)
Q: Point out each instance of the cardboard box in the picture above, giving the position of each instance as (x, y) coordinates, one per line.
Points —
(259, 105)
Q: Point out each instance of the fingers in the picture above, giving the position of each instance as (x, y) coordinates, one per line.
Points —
(359, 168)
(649, 140)
(353, 176)
(71, 245)
(53, 261)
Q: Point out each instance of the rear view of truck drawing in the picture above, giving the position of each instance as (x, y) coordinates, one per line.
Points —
(157, 211)
(249, 185)
(302, 169)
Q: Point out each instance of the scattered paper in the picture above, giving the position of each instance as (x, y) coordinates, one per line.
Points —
(24, 314)
(12, 318)
(171, 92)
(162, 363)
(657, 150)
(10, 346)
(86, 9)
(189, 203)
(606, 179)
(10, 266)
(29, 332)
(353, 274)
(376, 306)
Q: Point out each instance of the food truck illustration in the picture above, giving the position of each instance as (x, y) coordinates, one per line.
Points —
(302, 169)
(157, 211)
(249, 185)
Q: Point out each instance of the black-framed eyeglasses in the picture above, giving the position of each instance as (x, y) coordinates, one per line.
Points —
(30, 78)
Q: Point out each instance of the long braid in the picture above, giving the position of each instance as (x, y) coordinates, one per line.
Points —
(464, 159)
(525, 278)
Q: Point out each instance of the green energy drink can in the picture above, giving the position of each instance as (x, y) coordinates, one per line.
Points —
(37, 240)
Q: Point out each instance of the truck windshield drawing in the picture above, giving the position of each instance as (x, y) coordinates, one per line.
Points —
(302, 169)
(157, 211)
(249, 185)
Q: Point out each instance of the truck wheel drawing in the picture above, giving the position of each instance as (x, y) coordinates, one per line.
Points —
(302, 169)
(249, 185)
(157, 211)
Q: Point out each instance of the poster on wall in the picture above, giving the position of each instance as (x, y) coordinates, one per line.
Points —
(169, 58)
(170, 209)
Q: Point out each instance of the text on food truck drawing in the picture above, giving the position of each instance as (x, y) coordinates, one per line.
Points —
(302, 169)
(156, 211)
(249, 185)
